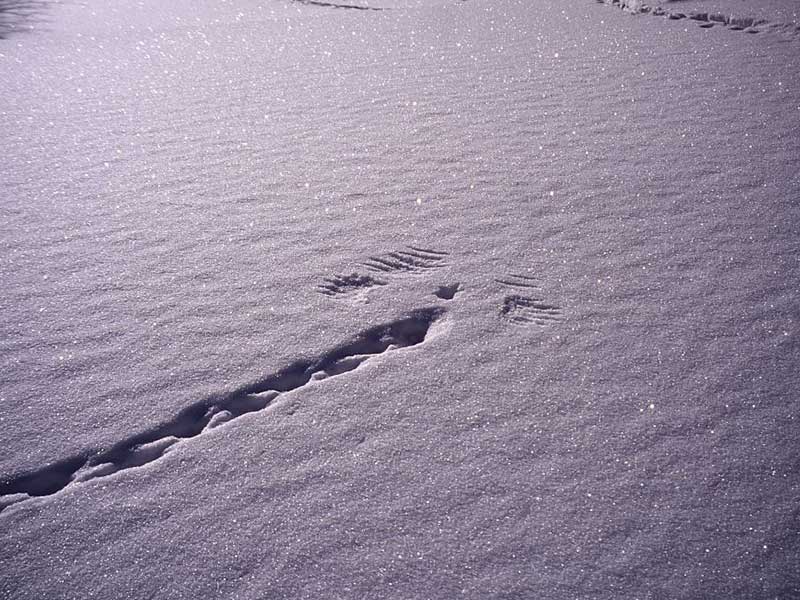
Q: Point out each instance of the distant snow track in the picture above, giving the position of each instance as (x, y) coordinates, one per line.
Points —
(707, 19)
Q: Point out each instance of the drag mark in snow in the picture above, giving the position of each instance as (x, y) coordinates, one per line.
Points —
(707, 20)
(347, 285)
(412, 259)
(335, 5)
(518, 281)
(202, 417)
(522, 310)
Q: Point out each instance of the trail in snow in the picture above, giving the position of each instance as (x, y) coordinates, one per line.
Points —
(202, 417)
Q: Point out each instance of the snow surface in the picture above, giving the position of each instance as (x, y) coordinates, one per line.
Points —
(483, 299)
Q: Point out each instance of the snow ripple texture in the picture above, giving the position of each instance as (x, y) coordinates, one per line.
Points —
(195, 193)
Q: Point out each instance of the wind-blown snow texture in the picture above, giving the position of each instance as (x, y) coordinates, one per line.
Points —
(399, 299)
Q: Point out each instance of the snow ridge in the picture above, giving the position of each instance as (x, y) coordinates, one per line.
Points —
(204, 416)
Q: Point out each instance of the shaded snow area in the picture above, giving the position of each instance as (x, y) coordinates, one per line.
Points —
(399, 299)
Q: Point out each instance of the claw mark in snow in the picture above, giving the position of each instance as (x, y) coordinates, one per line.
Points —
(518, 281)
(411, 260)
(344, 285)
(202, 417)
(522, 310)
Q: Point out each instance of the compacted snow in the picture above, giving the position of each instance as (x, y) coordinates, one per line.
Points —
(399, 299)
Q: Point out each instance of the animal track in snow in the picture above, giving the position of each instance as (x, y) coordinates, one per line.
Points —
(204, 416)
(348, 285)
(447, 292)
(707, 20)
(526, 311)
(412, 259)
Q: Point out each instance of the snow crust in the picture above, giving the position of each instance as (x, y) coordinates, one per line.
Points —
(595, 212)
